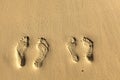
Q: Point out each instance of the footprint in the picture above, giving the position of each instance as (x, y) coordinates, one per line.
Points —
(22, 45)
(71, 45)
(90, 45)
(43, 48)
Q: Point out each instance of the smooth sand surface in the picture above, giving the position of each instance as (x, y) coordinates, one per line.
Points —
(57, 21)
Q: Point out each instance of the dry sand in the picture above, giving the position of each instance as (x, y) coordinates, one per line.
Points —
(62, 53)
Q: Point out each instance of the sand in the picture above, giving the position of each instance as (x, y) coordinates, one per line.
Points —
(68, 39)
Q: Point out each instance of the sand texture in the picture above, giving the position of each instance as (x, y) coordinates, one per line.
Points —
(59, 39)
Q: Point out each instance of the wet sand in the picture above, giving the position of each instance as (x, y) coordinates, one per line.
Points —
(68, 40)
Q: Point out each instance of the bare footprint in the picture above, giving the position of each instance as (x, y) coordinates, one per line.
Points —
(43, 48)
(90, 45)
(22, 45)
(71, 45)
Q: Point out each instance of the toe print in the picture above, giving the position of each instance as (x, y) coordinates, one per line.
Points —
(22, 45)
(71, 45)
(43, 48)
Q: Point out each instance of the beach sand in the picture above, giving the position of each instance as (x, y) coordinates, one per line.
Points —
(59, 39)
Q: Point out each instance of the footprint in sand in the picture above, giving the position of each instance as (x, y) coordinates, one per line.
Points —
(71, 45)
(89, 43)
(22, 46)
(43, 48)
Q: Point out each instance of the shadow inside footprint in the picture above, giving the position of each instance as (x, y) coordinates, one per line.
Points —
(23, 61)
(90, 57)
(23, 44)
(90, 45)
(43, 48)
(71, 45)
